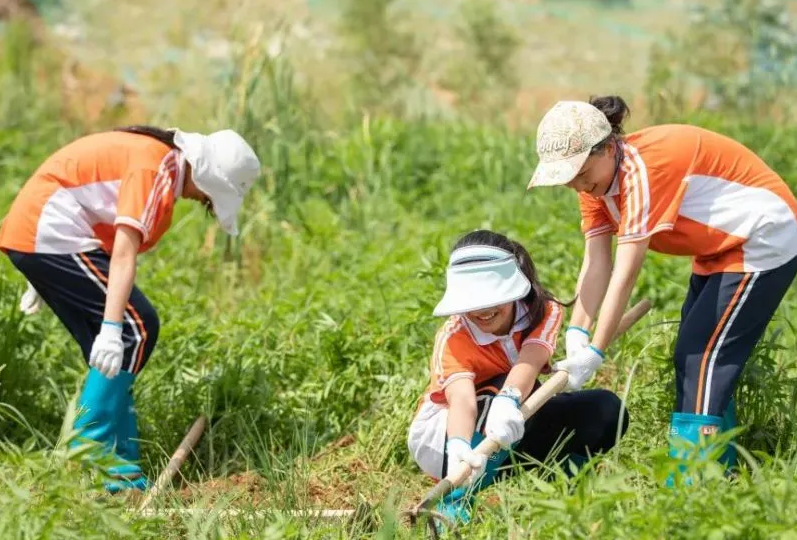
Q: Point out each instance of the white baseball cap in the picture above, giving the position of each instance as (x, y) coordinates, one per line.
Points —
(224, 168)
(565, 136)
(480, 277)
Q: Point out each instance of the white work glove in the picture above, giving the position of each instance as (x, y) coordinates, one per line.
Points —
(31, 302)
(576, 338)
(108, 350)
(458, 450)
(505, 423)
(580, 366)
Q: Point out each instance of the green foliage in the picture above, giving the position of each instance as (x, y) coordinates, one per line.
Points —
(318, 324)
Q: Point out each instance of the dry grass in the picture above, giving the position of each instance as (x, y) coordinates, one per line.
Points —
(177, 57)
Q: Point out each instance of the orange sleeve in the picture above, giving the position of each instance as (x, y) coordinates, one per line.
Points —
(546, 333)
(594, 217)
(454, 354)
(146, 198)
(651, 199)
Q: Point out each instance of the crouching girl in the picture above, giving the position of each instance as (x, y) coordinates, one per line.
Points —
(500, 335)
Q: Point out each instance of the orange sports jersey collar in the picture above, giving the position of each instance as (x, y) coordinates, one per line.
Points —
(614, 189)
(485, 338)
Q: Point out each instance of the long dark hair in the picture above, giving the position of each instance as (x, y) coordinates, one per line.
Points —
(538, 296)
(163, 135)
(616, 111)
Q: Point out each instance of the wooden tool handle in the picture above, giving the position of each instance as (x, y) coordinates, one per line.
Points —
(555, 384)
(631, 316)
(537, 399)
(178, 458)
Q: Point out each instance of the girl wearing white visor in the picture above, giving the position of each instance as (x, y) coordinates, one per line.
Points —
(500, 334)
(75, 231)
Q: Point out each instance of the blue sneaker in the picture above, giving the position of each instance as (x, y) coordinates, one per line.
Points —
(456, 507)
(104, 404)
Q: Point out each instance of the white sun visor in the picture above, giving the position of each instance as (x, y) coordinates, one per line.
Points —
(479, 277)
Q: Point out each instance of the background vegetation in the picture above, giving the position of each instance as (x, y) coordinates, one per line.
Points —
(306, 340)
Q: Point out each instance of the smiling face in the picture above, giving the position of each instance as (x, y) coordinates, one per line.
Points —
(596, 175)
(496, 320)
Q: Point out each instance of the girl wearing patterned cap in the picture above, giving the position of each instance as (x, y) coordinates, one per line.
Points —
(75, 231)
(678, 190)
(499, 335)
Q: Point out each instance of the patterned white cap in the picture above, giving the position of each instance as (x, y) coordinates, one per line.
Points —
(565, 136)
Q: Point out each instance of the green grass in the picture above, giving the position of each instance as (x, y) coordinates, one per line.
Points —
(316, 324)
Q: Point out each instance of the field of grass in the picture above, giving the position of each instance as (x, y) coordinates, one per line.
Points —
(306, 341)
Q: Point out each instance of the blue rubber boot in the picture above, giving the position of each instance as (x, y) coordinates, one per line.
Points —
(101, 405)
(457, 505)
(127, 441)
(686, 431)
(129, 475)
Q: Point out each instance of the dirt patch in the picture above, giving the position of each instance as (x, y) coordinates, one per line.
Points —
(336, 487)
(340, 476)
(343, 442)
(248, 487)
(326, 486)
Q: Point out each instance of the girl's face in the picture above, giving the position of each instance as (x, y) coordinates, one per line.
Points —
(496, 320)
(596, 175)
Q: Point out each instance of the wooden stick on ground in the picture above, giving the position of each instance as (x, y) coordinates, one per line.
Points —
(326, 514)
(178, 458)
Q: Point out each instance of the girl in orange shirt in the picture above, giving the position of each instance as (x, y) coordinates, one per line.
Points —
(75, 231)
(500, 334)
(679, 190)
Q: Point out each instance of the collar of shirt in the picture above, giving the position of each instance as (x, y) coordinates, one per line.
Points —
(614, 188)
(178, 188)
(485, 338)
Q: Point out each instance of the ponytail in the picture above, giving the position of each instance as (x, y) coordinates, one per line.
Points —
(615, 109)
(163, 135)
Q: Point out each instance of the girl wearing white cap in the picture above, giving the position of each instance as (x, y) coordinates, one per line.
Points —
(75, 231)
(678, 190)
(500, 334)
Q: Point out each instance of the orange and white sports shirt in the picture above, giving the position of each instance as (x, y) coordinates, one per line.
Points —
(77, 197)
(697, 193)
(462, 351)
